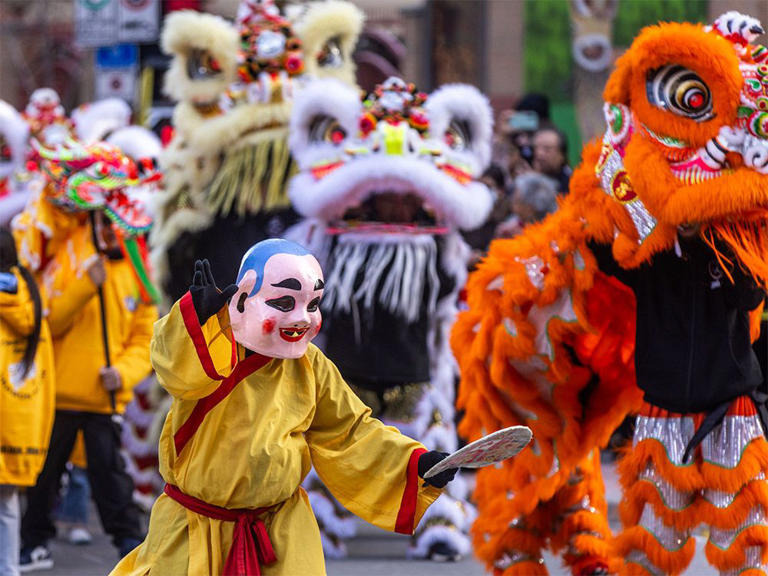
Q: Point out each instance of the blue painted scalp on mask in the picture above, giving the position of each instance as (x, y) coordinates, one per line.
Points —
(257, 256)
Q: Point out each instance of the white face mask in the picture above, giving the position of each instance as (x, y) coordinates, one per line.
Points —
(284, 315)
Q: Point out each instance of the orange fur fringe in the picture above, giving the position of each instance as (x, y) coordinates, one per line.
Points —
(748, 240)
(735, 555)
(524, 569)
(669, 561)
(570, 377)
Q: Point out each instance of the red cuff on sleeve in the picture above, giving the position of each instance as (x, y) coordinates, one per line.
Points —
(407, 512)
(195, 331)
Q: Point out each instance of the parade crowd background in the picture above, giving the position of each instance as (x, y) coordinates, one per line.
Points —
(542, 64)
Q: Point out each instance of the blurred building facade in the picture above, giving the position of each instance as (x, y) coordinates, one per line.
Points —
(430, 42)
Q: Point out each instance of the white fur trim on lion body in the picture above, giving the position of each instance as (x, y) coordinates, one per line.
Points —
(136, 142)
(16, 132)
(94, 121)
(323, 21)
(439, 533)
(466, 206)
(463, 102)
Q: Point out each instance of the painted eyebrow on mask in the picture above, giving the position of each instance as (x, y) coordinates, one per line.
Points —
(319, 285)
(290, 283)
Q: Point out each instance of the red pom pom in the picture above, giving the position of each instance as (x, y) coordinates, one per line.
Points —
(294, 64)
(337, 136)
(367, 124)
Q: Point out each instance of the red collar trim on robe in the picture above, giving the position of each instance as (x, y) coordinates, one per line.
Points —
(192, 324)
(242, 370)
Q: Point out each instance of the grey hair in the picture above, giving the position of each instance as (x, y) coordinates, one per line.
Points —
(537, 191)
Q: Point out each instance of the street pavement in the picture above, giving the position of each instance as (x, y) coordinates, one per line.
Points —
(372, 553)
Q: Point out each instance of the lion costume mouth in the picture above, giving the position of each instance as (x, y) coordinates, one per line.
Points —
(389, 212)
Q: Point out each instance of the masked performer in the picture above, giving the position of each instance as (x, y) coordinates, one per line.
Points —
(254, 405)
(385, 184)
(227, 167)
(673, 204)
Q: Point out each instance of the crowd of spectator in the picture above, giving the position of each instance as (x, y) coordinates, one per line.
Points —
(529, 172)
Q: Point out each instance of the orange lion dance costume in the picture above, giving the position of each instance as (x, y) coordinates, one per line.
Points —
(549, 337)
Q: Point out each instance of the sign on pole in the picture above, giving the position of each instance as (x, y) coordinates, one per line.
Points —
(116, 72)
(110, 22)
(139, 20)
(95, 22)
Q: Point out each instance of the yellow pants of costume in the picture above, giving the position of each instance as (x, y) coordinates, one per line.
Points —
(723, 486)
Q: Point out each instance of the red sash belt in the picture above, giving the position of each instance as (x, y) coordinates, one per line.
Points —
(251, 545)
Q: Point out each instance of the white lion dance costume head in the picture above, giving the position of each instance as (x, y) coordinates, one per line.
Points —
(228, 164)
(385, 184)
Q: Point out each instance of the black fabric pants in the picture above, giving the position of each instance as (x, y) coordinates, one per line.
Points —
(111, 486)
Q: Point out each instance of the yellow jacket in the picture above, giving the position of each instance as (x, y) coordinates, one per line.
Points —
(254, 448)
(26, 407)
(74, 316)
(41, 229)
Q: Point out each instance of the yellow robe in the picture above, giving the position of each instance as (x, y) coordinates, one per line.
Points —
(26, 408)
(255, 447)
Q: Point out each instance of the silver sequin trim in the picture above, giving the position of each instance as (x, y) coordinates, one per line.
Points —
(667, 536)
(514, 557)
(533, 266)
(673, 433)
(752, 560)
(643, 220)
(637, 557)
(673, 499)
(724, 538)
(720, 499)
(725, 444)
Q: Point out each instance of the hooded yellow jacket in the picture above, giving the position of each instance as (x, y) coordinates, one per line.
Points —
(26, 406)
(74, 316)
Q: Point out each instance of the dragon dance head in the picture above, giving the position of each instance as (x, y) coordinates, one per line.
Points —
(398, 161)
(97, 176)
(687, 139)
(101, 177)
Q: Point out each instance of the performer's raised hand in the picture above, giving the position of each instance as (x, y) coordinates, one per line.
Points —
(206, 296)
(427, 461)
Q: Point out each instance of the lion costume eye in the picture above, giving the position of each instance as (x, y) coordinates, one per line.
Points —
(326, 129)
(457, 135)
(201, 65)
(681, 91)
(330, 55)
